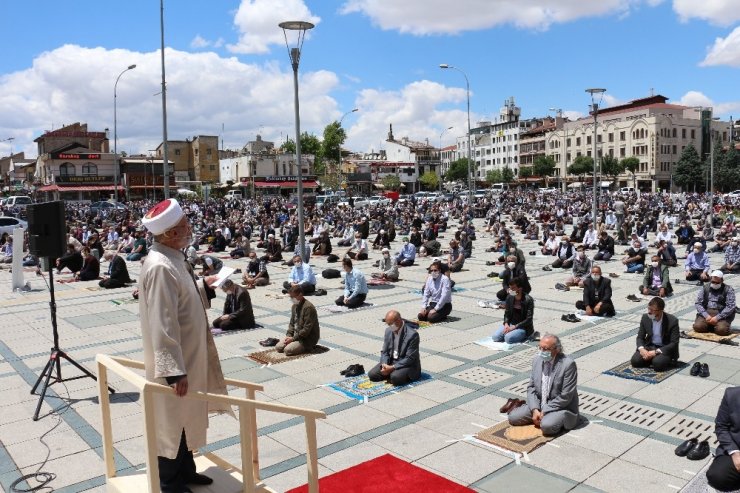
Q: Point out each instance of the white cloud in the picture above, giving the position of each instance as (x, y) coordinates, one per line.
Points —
(204, 91)
(424, 17)
(611, 100)
(725, 51)
(721, 12)
(257, 22)
(200, 42)
(722, 110)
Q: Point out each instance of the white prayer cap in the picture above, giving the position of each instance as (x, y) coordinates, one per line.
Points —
(208, 261)
(697, 244)
(384, 250)
(718, 273)
(163, 216)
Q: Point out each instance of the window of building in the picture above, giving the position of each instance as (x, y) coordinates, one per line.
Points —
(208, 151)
(67, 169)
(622, 151)
(622, 135)
(598, 138)
(675, 132)
(567, 158)
(724, 136)
(578, 141)
(567, 142)
(693, 133)
(611, 137)
(588, 140)
(674, 149)
(588, 153)
(212, 167)
(177, 152)
(89, 169)
(196, 152)
(683, 133)
(611, 152)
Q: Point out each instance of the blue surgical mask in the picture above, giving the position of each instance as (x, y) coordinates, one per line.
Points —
(545, 355)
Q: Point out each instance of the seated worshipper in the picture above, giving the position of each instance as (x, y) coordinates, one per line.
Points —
(256, 274)
(657, 280)
(211, 265)
(605, 247)
(72, 260)
(415, 237)
(138, 251)
(303, 329)
(581, 268)
(590, 240)
(111, 239)
(663, 234)
(323, 245)
(301, 274)
(381, 240)
(724, 472)
(551, 245)
(238, 312)
(273, 251)
(126, 243)
(657, 339)
(347, 237)
(466, 243)
(297, 251)
(597, 295)
(684, 233)
(518, 315)
(696, 267)
(667, 253)
(732, 257)
(455, 259)
(90, 266)
(565, 253)
(430, 248)
(436, 303)
(117, 275)
(387, 266)
(407, 255)
(358, 249)
(513, 270)
(399, 359)
(243, 247)
(634, 261)
(355, 286)
(219, 242)
(715, 306)
(6, 251)
(552, 393)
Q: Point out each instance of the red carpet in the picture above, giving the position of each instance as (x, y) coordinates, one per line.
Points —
(385, 474)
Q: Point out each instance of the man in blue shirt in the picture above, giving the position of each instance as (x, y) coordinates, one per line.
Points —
(355, 286)
(437, 295)
(407, 255)
(697, 264)
(302, 275)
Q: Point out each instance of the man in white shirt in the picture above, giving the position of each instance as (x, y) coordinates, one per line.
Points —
(589, 238)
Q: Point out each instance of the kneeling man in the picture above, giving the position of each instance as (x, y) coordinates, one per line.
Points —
(399, 358)
(303, 330)
(552, 396)
(657, 339)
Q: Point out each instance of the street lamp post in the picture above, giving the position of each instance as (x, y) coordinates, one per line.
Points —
(440, 155)
(597, 92)
(166, 161)
(116, 164)
(559, 114)
(300, 28)
(471, 164)
(339, 161)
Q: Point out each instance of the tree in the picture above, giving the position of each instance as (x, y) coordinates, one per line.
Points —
(334, 137)
(582, 165)
(507, 176)
(610, 166)
(525, 172)
(544, 166)
(726, 177)
(391, 183)
(310, 144)
(631, 164)
(687, 171)
(429, 180)
(458, 170)
(493, 176)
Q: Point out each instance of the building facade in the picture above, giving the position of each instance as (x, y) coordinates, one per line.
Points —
(408, 160)
(194, 160)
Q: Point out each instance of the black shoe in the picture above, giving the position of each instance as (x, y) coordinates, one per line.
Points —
(199, 479)
(684, 335)
(695, 369)
(346, 370)
(284, 291)
(561, 287)
(269, 342)
(547, 268)
(632, 297)
(699, 452)
(355, 371)
(727, 341)
(686, 447)
(564, 318)
(490, 262)
(704, 372)
(699, 283)
(533, 253)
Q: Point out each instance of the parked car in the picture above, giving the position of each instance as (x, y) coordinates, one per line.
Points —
(480, 194)
(735, 194)
(435, 196)
(106, 206)
(548, 190)
(8, 224)
(233, 194)
(18, 201)
(627, 190)
(374, 200)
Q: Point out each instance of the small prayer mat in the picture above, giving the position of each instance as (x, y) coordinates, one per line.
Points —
(97, 288)
(271, 356)
(648, 375)
(521, 439)
(361, 388)
(339, 309)
(127, 301)
(711, 336)
(487, 342)
(421, 324)
(227, 332)
(378, 282)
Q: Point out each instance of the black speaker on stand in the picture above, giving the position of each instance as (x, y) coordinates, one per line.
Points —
(47, 234)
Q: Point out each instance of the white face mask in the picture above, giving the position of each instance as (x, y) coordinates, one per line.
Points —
(511, 265)
(294, 301)
(435, 274)
(651, 316)
(595, 277)
(386, 255)
(512, 292)
(654, 264)
(715, 286)
(298, 264)
(697, 250)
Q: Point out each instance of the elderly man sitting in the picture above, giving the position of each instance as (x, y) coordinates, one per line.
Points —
(238, 312)
(303, 329)
(399, 359)
(697, 264)
(407, 254)
(387, 266)
(657, 339)
(117, 275)
(552, 394)
(715, 306)
(301, 274)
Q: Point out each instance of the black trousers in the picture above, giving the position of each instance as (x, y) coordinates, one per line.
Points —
(607, 308)
(722, 474)
(307, 288)
(401, 376)
(439, 315)
(111, 284)
(661, 362)
(356, 301)
(175, 473)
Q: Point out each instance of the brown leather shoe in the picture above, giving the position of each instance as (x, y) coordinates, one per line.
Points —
(506, 407)
(517, 403)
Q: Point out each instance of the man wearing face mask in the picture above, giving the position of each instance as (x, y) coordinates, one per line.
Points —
(518, 315)
(715, 306)
(355, 286)
(696, 267)
(399, 359)
(303, 329)
(605, 247)
(301, 274)
(657, 280)
(732, 257)
(437, 295)
(256, 274)
(552, 393)
(634, 261)
(565, 254)
(667, 253)
(581, 268)
(597, 295)
(513, 270)
(657, 339)
(238, 313)
(407, 255)
(387, 266)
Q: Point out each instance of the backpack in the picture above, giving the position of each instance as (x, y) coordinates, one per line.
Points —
(332, 258)
(331, 274)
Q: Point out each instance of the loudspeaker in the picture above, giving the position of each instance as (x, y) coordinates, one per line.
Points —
(47, 229)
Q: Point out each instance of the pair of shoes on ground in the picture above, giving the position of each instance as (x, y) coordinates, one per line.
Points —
(510, 405)
(547, 268)
(571, 317)
(353, 371)
(633, 297)
(728, 341)
(700, 369)
(269, 342)
(613, 275)
(693, 449)
(561, 287)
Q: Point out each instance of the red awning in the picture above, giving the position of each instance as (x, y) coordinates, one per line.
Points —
(284, 184)
(79, 188)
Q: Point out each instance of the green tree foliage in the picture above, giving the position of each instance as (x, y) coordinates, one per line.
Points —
(687, 172)
(310, 144)
(429, 180)
(726, 168)
(631, 164)
(391, 183)
(334, 137)
(493, 176)
(525, 172)
(610, 166)
(507, 175)
(582, 165)
(458, 170)
(544, 166)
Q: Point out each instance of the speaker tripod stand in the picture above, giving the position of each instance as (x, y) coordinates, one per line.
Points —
(54, 365)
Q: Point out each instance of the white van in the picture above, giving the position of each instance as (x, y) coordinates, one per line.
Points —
(233, 194)
(18, 201)
(627, 190)
(497, 188)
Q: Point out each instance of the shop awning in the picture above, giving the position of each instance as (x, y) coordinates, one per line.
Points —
(78, 188)
(284, 184)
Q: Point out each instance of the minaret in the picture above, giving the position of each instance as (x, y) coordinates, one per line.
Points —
(390, 133)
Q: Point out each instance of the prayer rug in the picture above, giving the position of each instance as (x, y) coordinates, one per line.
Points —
(421, 324)
(711, 336)
(66, 281)
(380, 282)
(519, 439)
(648, 375)
(487, 342)
(271, 356)
(97, 288)
(361, 388)
(340, 309)
(127, 301)
(385, 474)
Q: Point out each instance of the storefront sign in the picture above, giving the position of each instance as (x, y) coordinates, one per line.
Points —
(73, 156)
(83, 179)
(290, 178)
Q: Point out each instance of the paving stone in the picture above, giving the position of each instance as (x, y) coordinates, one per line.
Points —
(524, 479)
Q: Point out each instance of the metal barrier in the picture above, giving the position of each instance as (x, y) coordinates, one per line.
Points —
(245, 479)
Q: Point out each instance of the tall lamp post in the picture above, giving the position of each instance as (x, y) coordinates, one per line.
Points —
(165, 165)
(440, 155)
(595, 93)
(300, 28)
(116, 164)
(471, 164)
(559, 114)
(339, 160)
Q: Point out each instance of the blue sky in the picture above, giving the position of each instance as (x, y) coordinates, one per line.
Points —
(227, 64)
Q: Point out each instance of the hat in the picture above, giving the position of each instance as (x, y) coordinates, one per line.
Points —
(718, 273)
(384, 250)
(163, 216)
(382, 231)
(405, 238)
(208, 261)
(697, 244)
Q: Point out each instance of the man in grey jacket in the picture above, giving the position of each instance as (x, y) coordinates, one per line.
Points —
(552, 394)
(399, 358)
